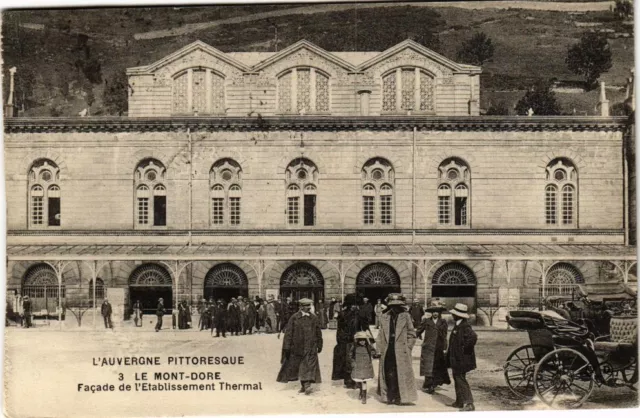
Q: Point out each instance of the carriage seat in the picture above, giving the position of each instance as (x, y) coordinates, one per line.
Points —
(612, 346)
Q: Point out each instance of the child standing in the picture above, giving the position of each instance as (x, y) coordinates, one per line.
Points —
(362, 364)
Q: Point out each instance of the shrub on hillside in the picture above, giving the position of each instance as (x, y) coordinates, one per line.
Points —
(590, 57)
(540, 99)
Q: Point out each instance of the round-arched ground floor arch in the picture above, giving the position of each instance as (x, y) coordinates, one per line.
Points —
(40, 283)
(376, 281)
(225, 281)
(454, 283)
(302, 280)
(147, 284)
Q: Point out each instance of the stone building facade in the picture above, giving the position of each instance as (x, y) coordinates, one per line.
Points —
(313, 174)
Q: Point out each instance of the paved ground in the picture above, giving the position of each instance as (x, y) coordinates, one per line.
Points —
(55, 362)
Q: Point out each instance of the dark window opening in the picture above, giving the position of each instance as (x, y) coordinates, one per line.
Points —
(453, 291)
(309, 210)
(461, 211)
(54, 211)
(160, 210)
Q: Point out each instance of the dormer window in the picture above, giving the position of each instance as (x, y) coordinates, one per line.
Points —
(408, 89)
(198, 91)
(303, 91)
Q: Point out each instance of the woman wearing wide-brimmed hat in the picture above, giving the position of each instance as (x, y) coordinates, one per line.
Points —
(396, 382)
(348, 323)
(462, 356)
(432, 356)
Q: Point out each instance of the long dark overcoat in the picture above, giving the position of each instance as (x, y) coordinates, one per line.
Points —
(405, 340)
(461, 355)
(348, 323)
(302, 341)
(432, 358)
(250, 316)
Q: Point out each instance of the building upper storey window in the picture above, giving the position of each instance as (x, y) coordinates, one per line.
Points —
(377, 192)
(225, 177)
(454, 180)
(44, 194)
(408, 89)
(150, 194)
(198, 91)
(561, 204)
(303, 90)
(301, 181)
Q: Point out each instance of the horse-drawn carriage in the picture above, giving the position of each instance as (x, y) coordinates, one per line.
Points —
(569, 355)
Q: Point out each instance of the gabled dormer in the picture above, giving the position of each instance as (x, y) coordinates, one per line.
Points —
(304, 79)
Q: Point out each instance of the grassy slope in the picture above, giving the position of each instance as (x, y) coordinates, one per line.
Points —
(529, 44)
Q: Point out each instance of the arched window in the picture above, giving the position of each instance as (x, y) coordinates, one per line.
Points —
(453, 193)
(303, 90)
(150, 194)
(562, 279)
(301, 179)
(453, 280)
(99, 289)
(44, 194)
(198, 90)
(377, 192)
(40, 283)
(225, 180)
(560, 193)
(408, 89)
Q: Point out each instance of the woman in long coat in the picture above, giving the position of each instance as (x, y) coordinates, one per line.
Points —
(233, 317)
(249, 317)
(396, 382)
(348, 323)
(432, 357)
(272, 317)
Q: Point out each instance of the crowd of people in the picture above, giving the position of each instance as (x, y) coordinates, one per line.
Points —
(356, 349)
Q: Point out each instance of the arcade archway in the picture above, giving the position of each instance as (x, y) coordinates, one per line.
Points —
(40, 283)
(225, 281)
(455, 283)
(148, 283)
(562, 279)
(376, 281)
(302, 280)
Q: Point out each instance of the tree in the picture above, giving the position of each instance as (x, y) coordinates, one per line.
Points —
(476, 50)
(499, 108)
(541, 99)
(116, 94)
(623, 9)
(590, 57)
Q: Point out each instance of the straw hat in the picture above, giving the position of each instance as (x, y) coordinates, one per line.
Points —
(396, 299)
(460, 310)
(305, 302)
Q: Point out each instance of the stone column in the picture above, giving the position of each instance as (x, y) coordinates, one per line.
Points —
(603, 103)
(416, 91)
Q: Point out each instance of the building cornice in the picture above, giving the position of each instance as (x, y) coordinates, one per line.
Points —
(317, 123)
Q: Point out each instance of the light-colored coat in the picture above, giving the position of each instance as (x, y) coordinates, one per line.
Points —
(405, 340)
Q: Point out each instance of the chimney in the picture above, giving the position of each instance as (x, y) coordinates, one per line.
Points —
(603, 103)
(9, 108)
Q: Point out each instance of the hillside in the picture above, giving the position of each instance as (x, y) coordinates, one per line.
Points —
(66, 57)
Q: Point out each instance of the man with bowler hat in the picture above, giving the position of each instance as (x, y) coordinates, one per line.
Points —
(300, 348)
(461, 356)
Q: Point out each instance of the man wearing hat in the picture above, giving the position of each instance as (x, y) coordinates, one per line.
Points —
(106, 312)
(396, 382)
(432, 360)
(219, 315)
(461, 356)
(300, 348)
(26, 311)
(159, 314)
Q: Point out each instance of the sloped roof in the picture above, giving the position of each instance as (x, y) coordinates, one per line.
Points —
(350, 60)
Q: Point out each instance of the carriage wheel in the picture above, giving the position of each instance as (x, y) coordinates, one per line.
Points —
(630, 374)
(518, 371)
(564, 378)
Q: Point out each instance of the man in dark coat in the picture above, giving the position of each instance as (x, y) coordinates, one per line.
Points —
(366, 311)
(461, 356)
(233, 317)
(106, 312)
(300, 348)
(348, 323)
(26, 311)
(396, 382)
(416, 314)
(432, 360)
(184, 315)
(159, 314)
(219, 318)
(249, 317)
